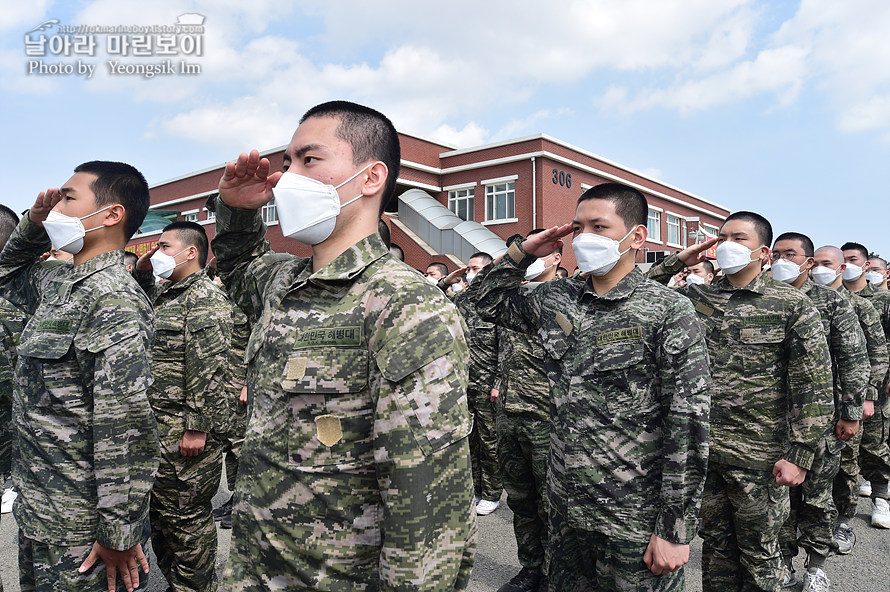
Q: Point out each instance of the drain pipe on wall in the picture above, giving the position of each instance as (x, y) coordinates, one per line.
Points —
(534, 196)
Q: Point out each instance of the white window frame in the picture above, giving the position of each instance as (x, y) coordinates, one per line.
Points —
(469, 197)
(655, 237)
(211, 215)
(492, 194)
(678, 225)
(190, 215)
(269, 213)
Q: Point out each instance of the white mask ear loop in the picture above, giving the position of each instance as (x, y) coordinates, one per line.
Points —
(359, 172)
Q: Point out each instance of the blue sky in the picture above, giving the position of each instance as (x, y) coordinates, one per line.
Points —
(778, 107)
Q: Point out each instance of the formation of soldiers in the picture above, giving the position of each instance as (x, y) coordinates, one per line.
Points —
(367, 415)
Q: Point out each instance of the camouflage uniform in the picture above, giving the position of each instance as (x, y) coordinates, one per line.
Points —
(193, 322)
(812, 506)
(629, 411)
(12, 321)
(86, 439)
(523, 422)
(874, 452)
(356, 441)
(483, 436)
(772, 400)
(846, 490)
(234, 436)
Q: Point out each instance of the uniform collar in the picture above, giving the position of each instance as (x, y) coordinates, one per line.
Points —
(184, 283)
(807, 286)
(758, 285)
(347, 265)
(64, 277)
(623, 289)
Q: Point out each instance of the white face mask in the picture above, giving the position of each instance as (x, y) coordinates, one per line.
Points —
(824, 275)
(470, 277)
(432, 280)
(785, 271)
(694, 280)
(874, 277)
(308, 209)
(597, 254)
(163, 264)
(457, 288)
(852, 272)
(732, 257)
(66, 231)
(537, 268)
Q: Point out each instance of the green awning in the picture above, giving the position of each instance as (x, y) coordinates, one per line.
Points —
(157, 219)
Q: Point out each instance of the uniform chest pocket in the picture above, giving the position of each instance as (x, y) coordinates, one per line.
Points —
(52, 356)
(627, 383)
(169, 334)
(762, 334)
(329, 407)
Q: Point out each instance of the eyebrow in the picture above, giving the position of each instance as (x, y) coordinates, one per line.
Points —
(589, 221)
(303, 150)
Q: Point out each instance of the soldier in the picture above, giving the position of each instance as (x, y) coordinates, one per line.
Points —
(12, 321)
(523, 431)
(86, 439)
(193, 322)
(481, 393)
(877, 273)
(629, 378)
(356, 444)
(435, 271)
(769, 356)
(233, 439)
(828, 271)
(812, 507)
(874, 453)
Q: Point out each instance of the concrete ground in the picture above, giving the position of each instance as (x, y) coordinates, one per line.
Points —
(867, 569)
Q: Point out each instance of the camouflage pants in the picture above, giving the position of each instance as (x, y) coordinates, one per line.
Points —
(812, 505)
(51, 568)
(523, 447)
(5, 434)
(231, 444)
(846, 482)
(484, 447)
(580, 560)
(183, 534)
(742, 511)
(874, 454)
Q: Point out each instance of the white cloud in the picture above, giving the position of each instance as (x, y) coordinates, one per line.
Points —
(472, 134)
(23, 16)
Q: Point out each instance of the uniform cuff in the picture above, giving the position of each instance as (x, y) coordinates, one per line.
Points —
(121, 537)
(851, 412)
(672, 527)
(198, 423)
(236, 219)
(800, 456)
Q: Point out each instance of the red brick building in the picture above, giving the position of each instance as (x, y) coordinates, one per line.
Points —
(451, 203)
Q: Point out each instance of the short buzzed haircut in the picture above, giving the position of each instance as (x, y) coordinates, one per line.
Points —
(762, 226)
(486, 258)
(119, 182)
(443, 269)
(856, 247)
(371, 135)
(808, 248)
(8, 221)
(191, 234)
(630, 204)
(881, 259)
(130, 258)
(709, 267)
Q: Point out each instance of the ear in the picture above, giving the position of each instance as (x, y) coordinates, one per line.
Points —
(639, 237)
(866, 266)
(375, 179)
(114, 215)
(557, 259)
(764, 255)
(809, 264)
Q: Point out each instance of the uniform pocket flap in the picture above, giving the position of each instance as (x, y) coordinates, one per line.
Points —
(415, 348)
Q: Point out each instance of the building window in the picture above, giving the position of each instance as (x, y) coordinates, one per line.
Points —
(190, 217)
(461, 202)
(270, 214)
(673, 230)
(713, 231)
(653, 225)
(211, 215)
(500, 201)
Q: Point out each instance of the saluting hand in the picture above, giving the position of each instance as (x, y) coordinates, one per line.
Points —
(456, 276)
(544, 243)
(246, 183)
(44, 204)
(696, 253)
(144, 262)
